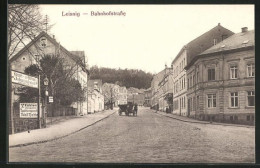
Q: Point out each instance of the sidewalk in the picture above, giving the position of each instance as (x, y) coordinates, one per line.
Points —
(57, 130)
(191, 120)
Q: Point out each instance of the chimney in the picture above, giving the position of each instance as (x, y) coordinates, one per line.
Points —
(244, 29)
(53, 36)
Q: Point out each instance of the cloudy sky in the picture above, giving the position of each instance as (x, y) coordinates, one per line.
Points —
(147, 37)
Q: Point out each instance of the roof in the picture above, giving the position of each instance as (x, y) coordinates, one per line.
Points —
(204, 42)
(80, 55)
(159, 76)
(238, 40)
(52, 40)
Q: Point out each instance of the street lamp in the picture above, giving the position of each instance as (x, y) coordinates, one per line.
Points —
(45, 82)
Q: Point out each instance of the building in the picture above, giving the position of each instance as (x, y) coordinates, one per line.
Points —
(184, 57)
(95, 96)
(42, 45)
(122, 95)
(147, 97)
(224, 85)
(166, 91)
(156, 87)
(136, 96)
(110, 92)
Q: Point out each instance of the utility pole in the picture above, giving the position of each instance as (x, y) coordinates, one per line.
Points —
(39, 101)
(46, 23)
(10, 90)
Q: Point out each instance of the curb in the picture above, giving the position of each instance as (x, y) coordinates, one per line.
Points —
(49, 140)
(213, 123)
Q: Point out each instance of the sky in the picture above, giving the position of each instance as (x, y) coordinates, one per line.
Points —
(146, 38)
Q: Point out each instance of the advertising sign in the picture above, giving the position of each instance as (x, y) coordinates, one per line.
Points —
(50, 99)
(24, 79)
(28, 110)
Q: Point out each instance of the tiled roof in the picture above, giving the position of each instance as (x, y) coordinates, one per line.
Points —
(74, 57)
(203, 42)
(238, 40)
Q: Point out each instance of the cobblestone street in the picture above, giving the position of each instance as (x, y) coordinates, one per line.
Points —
(147, 138)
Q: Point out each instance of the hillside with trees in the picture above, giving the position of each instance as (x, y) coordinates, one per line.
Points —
(123, 77)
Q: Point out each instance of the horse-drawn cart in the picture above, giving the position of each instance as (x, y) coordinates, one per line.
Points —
(127, 109)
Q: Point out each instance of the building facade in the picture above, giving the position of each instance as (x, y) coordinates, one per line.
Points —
(166, 91)
(95, 96)
(184, 57)
(224, 85)
(122, 95)
(147, 97)
(40, 46)
(157, 91)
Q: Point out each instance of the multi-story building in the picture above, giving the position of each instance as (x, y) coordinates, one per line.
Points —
(186, 54)
(42, 45)
(223, 88)
(147, 97)
(156, 89)
(95, 96)
(110, 92)
(166, 91)
(122, 95)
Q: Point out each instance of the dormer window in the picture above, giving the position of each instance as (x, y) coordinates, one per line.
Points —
(43, 42)
(245, 42)
(215, 41)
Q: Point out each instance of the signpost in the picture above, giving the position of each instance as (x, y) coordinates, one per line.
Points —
(23, 79)
(28, 110)
(50, 99)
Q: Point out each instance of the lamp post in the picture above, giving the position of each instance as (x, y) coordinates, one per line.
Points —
(45, 82)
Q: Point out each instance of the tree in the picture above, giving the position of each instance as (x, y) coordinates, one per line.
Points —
(63, 88)
(24, 22)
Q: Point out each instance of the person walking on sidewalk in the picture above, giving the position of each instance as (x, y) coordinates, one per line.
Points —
(135, 109)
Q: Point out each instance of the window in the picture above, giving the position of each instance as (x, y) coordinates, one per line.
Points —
(250, 70)
(184, 102)
(211, 74)
(215, 41)
(236, 118)
(233, 72)
(184, 82)
(43, 42)
(198, 101)
(197, 76)
(194, 104)
(234, 99)
(251, 98)
(188, 83)
(211, 100)
(194, 82)
(231, 118)
(191, 104)
(248, 118)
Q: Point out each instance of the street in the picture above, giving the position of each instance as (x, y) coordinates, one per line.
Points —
(147, 138)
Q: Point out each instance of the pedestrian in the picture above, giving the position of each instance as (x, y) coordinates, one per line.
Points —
(135, 109)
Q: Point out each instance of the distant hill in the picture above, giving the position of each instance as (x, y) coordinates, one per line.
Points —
(123, 77)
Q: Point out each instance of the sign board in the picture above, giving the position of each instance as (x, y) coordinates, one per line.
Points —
(28, 110)
(24, 79)
(50, 99)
